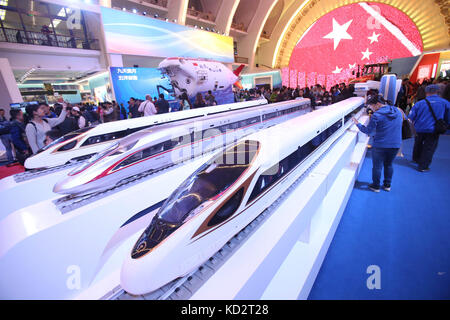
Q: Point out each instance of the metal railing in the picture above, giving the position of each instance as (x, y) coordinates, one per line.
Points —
(241, 60)
(42, 39)
(201, 15)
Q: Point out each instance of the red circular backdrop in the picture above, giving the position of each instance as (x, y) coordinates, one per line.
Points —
(349, 36)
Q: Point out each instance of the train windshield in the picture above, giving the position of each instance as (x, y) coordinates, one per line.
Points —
(115, 149)
(209, 181)
(65, 138)
(94, 158)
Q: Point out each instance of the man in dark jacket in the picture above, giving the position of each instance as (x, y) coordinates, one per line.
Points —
(385, 126)
(17, 135)
(6, 137)
(69, 124)
(90, 115)
(427, 140)
(162, 106)
(133, 108)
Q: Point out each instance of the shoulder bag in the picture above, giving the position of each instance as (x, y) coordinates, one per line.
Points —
(440, 126)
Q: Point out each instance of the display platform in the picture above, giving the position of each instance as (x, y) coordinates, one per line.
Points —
(88, 238)
(29, 191)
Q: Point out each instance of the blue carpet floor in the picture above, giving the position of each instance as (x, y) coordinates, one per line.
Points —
(406, 232)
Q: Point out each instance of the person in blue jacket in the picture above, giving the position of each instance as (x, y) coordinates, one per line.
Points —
(385, 126)
(426, 140)
(17, 135)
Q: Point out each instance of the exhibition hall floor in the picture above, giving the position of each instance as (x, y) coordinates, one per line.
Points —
(404, 232)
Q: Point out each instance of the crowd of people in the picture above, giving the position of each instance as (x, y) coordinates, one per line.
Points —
(411, 93)
(318, 94)
(24, 134)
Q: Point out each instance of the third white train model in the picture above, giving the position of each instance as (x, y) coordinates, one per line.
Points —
(84, 143)
(227, 193)
(158, 147)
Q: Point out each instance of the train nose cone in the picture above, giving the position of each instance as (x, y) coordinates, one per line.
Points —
(144, 275)
(68, 185)
(61, 187)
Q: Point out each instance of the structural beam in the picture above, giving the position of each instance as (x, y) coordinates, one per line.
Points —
(225, 15)
(177, 10)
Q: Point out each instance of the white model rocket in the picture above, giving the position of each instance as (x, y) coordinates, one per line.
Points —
(198, 75)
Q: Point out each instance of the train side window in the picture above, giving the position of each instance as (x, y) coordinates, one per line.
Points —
(234, 125)
(228, 209)
(196, 136)
(323, 136)
(105, 137)
(169, 145)
(211, 132)
(244, 123)
(151, 151)
(68, 146)
(143, 154)
(132, 159)
(293, 159)
(186, 139)
(265, 180)
(352, 113)
(248, 122)
(270, 115)
(257, 189)
(315, 142)
(223, 128)
(335, 127)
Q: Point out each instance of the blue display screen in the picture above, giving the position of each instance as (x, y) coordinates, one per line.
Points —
(138, 82)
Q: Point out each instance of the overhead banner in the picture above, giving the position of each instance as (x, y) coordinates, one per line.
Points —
(128, 33)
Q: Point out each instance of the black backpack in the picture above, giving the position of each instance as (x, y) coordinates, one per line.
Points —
(440, 126)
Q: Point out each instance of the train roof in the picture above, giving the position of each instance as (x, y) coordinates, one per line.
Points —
(179, 115)
(179, 127)
(307, 126)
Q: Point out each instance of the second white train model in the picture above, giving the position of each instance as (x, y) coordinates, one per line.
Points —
(84, 143)
(165, 145)
(227, 193)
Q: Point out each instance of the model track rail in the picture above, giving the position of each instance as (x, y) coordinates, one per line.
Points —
(32, 174)
(69, 203)
(183, 288)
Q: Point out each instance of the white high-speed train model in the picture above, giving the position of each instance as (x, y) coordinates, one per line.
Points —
(168, 144)
(84, 143)
(227, 193)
